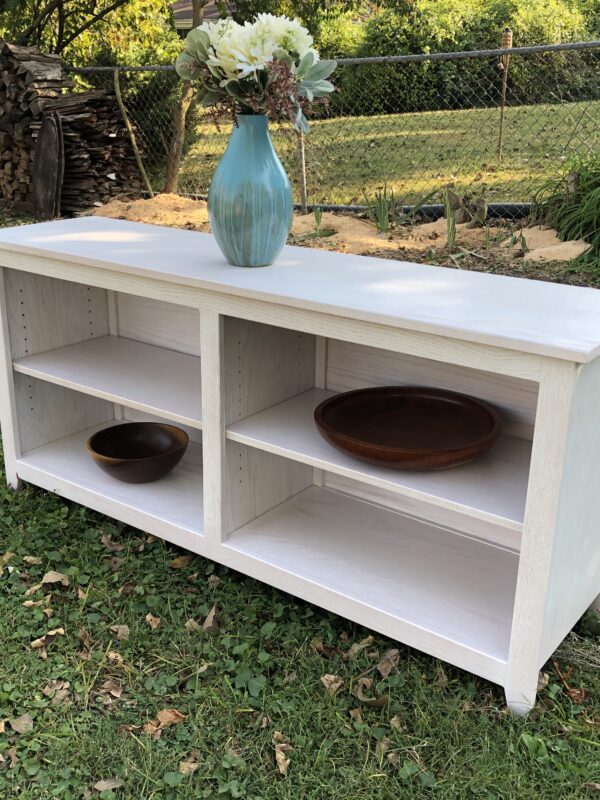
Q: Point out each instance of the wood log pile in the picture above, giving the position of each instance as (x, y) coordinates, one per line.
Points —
(98, 162)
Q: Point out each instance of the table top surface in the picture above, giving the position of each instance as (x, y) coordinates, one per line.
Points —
(514, 313)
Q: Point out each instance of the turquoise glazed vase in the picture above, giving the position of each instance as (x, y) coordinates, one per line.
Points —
(250, 203)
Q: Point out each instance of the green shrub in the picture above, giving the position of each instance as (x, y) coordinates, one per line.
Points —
(450, 25)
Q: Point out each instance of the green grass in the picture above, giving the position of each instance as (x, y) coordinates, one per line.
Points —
(442, 733)
(415, 153)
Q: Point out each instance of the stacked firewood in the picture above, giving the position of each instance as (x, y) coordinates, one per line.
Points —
(97, 160)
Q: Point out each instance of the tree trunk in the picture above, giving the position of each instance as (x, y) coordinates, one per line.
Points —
(180, 115)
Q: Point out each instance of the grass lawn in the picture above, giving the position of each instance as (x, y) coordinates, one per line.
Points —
(417, 153)
(111, 687)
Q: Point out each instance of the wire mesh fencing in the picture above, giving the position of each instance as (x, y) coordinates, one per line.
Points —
(496, 123)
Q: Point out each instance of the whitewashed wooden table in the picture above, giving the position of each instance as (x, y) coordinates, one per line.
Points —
(486, 566)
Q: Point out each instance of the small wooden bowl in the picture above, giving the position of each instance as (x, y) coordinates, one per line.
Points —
(138, 452)
(408, 427)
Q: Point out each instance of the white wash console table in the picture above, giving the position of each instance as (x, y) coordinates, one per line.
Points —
(486, 566)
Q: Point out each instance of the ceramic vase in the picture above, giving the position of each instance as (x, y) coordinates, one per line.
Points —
(250, 202)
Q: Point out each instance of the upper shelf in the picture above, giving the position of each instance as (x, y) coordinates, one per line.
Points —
(142, 376)
(492, 488)
(524, 315)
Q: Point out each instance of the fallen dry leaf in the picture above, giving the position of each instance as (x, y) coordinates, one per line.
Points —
(12, 754)
(57, 690)
(164, 718)
(22, 724)
(332, 683)
(4, 559)
(354, 649)
(121, 632)
(34, 603)
(128, 587)
(40, 644)
(152, 621)
(393, 759)
(543, 679)
(388, 663)
(48, 612)
(112, 688)
(359, 693)
(114, 547)
(321, 648)
(191, 625)
(32, 589)
(86, 641)
(281, 748)
(213, 581)
(114, 658)
(396, 722)
(382, 746)
(107, 784)
(356, 715)
(595, 787)
(180, 562)
(2, 726)
(32, 560)
(189, 764)
(55, 577)
(211, 623)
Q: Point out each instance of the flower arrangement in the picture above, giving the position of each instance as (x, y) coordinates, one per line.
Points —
(267, 66)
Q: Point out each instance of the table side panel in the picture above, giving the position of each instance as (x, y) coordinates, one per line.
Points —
(575, 568)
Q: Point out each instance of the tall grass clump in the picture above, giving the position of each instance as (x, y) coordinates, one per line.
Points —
(571, 204)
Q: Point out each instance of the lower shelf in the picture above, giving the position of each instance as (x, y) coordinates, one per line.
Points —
(444, 593)
(173, 505)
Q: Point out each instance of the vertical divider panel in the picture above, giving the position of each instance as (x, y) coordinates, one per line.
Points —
(321, 352)
(8, 406)
(263, 366)
(213, 423)
(113, 329)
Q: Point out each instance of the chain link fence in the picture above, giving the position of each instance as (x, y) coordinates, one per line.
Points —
(495, 122)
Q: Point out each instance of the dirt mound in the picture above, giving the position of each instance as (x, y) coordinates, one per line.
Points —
(354, 235)
(162, 209)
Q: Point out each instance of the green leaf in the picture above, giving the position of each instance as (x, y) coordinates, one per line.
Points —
(208, 97)
(320, 70)
(234, 88)
(268, 628)
(187, 67)
(306, 63)
(173, 778)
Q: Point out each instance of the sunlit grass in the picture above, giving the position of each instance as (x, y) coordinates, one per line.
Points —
(416, 153)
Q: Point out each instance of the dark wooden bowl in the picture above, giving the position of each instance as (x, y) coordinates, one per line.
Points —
(409, 427)
(138, 452)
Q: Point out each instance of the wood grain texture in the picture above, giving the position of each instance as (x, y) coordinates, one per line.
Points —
(414, 505)
(46, 412)
(125, 372)
(353, 366)
(8, 404)
(44, 313)
(535, 317)
(168, 325)
(65, 467)
(575, 569)
(545, 477)
(257, 482)
(442, 348)
(491, 488)
(263, 366)
(216, 485)
(434, 583)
